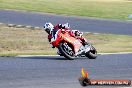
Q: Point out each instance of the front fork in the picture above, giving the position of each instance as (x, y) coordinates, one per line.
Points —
(87, 48)
(83, 50)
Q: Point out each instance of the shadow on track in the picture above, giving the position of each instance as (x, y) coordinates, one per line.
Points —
(46, 57)
(50, 58)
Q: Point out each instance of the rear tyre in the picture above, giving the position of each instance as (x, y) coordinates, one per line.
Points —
(92, 54)
(66, 53)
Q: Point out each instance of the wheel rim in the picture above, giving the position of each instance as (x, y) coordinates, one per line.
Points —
(93, 51)
(68, 49)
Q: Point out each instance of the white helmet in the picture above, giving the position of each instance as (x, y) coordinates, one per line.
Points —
(48, 27)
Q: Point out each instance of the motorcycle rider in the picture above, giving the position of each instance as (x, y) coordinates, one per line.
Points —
(51, 30)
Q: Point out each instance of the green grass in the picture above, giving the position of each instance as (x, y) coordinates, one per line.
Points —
(113, 9)
(22, 41)
(110, 43)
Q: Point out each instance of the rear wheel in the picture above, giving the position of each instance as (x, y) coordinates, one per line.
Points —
(92, 54)
(66, 51)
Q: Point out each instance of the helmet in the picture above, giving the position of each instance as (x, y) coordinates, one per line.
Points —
(48, 27)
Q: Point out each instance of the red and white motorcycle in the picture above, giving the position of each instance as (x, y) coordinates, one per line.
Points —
(71, 47)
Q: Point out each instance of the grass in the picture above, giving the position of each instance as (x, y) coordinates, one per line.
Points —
(110, 43)
(113, 9)
(22, 41)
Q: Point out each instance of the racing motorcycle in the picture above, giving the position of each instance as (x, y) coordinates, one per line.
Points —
(71, 47)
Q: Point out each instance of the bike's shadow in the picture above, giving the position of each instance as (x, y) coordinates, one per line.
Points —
(45, 57)
(48, 57)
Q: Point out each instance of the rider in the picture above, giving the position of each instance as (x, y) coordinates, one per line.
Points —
(51, 30)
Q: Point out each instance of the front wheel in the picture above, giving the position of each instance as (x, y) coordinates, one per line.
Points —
(92, 54)
(66, 51)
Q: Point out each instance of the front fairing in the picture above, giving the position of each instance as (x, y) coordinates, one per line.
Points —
(75, 42)
(65, 37)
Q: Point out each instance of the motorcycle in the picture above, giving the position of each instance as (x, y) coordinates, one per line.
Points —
(71, 47)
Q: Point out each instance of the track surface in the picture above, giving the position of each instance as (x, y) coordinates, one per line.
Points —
(81, 23)
(56, 72)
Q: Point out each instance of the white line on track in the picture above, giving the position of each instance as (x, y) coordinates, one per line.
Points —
(115, 53)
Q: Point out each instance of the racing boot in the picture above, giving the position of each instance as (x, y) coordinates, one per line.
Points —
(59, 53)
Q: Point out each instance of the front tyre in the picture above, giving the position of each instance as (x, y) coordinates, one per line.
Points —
(92, 54)
(66, 52)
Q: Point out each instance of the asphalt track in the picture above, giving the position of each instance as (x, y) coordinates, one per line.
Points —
(82, 23)
(56, 72)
